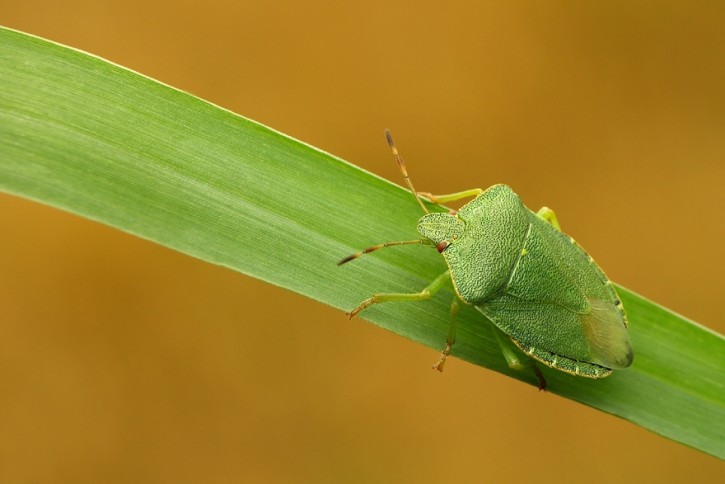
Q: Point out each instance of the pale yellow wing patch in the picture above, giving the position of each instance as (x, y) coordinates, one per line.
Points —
(605, 328)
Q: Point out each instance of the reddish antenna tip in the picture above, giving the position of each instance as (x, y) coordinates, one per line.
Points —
(391, 143)
(347, 259)
(389, 137)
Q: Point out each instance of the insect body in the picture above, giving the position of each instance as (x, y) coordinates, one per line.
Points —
(537, 285)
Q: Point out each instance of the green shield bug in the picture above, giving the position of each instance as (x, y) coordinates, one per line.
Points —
(540, 289)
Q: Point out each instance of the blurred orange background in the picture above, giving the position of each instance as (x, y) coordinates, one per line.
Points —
(122, 361)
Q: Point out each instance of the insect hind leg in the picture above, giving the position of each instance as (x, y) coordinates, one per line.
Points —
(514, 358)
(550, 216)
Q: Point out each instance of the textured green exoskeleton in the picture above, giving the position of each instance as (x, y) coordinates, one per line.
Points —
(536, 284)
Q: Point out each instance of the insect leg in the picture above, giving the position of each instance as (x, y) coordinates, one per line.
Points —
(435, 286)
(453, 326)
(474, 192)
(550, 216)
(514, 359)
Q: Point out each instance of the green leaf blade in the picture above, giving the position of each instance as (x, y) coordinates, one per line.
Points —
(92, 138)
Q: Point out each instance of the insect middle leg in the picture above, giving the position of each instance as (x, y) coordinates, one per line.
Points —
(452, 328)
(435, 286)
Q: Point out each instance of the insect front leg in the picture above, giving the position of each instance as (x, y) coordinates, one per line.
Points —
(514, 357)
(435, 286)
(550, 216)
(451, 197)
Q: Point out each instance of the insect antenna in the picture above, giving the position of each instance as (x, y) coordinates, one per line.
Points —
(401, 166)
(381, 246)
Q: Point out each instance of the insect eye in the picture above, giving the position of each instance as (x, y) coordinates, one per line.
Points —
(442, 246)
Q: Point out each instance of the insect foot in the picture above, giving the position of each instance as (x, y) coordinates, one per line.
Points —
(442, 360)
(540, 376)
(366, 303)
